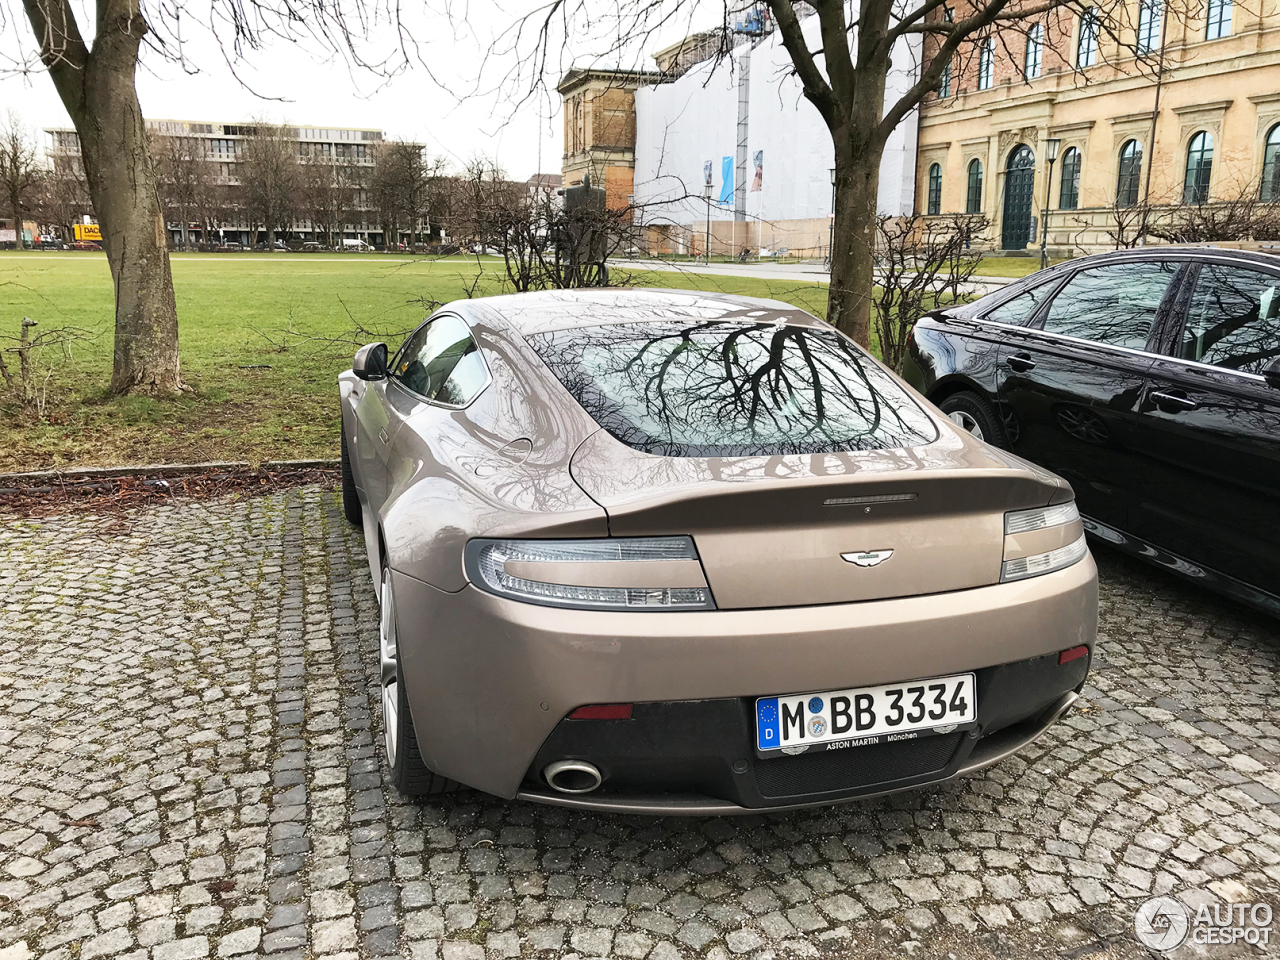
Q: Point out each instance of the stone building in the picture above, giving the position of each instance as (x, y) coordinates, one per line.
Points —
(1207, 132)
(600, 129)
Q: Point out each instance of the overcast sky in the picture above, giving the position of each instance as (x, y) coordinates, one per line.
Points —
(458, 123)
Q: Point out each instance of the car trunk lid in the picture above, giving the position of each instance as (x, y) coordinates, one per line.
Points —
(822, 528)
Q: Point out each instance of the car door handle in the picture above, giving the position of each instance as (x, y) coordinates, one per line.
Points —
(1178, 401)
(1020, 363)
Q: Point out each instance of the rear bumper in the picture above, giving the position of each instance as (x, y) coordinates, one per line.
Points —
(970, 756)
(489, 680)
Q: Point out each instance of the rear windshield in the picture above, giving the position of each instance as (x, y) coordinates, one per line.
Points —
(732, 389)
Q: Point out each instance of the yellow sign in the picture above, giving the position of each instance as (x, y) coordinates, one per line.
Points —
(87, 231)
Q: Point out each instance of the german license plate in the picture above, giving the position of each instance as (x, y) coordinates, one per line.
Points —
(879, 712)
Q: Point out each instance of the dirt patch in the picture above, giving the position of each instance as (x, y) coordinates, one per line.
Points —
(103, 495)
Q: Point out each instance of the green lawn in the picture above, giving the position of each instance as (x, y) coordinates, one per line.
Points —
(1010, 266)
(256, 334)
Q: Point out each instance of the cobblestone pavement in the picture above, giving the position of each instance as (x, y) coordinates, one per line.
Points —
(188, 770)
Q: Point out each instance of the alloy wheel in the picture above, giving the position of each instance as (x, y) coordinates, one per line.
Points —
(390, 674)
(966, 422)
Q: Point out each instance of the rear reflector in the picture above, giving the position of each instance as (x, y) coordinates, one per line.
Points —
(1066, 656)
(603, 711)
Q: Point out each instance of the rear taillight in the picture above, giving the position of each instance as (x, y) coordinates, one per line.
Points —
(1044, 562)
(1024, 521)
(1028, 524)
(617, 573)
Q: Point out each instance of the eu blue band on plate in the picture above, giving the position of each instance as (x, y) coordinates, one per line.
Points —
(767, 735)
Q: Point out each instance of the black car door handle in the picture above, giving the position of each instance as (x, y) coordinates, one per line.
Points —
(1176, 401)
(1020, 363)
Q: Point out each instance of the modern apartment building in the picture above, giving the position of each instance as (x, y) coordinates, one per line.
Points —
(1176, 109)
(222, 145)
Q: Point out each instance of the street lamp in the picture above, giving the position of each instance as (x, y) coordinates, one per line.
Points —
(706, 249)
(831, 227)
(1051, 145)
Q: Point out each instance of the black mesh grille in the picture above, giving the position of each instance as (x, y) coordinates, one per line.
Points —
(855, 767)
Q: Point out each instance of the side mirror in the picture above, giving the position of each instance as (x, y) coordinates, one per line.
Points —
(1271, 372)
(371, 362)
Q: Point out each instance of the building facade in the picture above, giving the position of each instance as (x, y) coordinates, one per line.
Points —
(600, 130)
(1206, 132)
(719, 148)
(222, 147)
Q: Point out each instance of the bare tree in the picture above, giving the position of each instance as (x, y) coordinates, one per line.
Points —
(324, 196)
(842, 61)
(270, 177)
(185, 178)
(20, 171)
(96, 83)
(63, 197)
(922, 264)
(1239, 215)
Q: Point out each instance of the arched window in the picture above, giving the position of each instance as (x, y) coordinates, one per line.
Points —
(1150, 17)
(973, 199)
(1129, 180)
(1087, 42)
(935, 190)
(1199, 168)
(986, 59)
(1035, 46)
(1069, 190)
(1271, 165)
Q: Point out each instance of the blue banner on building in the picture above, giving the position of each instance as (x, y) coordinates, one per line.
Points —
(726, 185)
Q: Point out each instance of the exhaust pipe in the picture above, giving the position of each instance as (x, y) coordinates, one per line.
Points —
(572, 776)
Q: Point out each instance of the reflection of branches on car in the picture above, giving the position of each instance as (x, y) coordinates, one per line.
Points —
(732, 388)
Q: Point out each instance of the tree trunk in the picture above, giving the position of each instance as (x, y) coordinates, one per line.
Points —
(853, 243)
(15, 204)
(98, 89)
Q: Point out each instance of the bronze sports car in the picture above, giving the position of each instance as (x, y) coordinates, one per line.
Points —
(666, 552)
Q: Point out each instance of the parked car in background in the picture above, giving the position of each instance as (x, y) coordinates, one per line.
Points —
(661, 552)
(354, 246)
(86, 245)
(1150, 379)
(312, 247)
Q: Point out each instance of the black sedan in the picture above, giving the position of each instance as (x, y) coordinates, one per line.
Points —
(1150, 379)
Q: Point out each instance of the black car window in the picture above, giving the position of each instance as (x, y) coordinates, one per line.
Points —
(1234, 318)
(1114, 304)
(732, 389)
(440, 361)
(1018, 311)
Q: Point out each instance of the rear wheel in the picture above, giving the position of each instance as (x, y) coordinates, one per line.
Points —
(974, 413)
(409, 774)
(350, 499)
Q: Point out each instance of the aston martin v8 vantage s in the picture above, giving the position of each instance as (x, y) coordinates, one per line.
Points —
(666, 552)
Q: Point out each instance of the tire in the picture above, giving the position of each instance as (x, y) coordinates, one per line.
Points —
(409, 774)
(974, 413)
(350, 499)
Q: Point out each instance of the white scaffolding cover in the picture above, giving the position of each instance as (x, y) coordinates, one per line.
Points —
(682, 125)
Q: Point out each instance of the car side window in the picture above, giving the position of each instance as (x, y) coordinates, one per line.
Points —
(1233, 320)
(1114, 304)
(441, 362)
(1018, 311)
